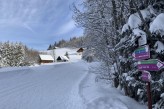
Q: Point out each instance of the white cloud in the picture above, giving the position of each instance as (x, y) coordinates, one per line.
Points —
(39, 19)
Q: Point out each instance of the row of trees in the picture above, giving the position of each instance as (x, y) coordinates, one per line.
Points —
(112, 29)
(16, 54)
(72, 42)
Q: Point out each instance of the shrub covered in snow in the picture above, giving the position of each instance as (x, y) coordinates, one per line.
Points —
(16, 54)
(88, 55)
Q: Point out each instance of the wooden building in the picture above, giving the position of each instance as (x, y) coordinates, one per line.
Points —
(80, 51)
(46, 59)
(62, 59)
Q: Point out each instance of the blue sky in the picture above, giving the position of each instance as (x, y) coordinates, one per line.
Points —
(37, 23)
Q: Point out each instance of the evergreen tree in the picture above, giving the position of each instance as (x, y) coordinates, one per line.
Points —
(16, 54)
(113, 29)
(12, 54)
(50, 47)
(66, 54)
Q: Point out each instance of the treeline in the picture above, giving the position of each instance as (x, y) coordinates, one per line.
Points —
(114, 29)
(72, 42)
(17, 54)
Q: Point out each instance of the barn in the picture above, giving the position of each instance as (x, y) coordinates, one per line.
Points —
(46, 58)
(80, 51)
(62, 59)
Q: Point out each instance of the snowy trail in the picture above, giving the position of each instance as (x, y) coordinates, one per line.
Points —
(43, 87)
(102, 95)
(69, 85)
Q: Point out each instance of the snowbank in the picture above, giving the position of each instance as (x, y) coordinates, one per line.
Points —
(103, 96)
(157, 26)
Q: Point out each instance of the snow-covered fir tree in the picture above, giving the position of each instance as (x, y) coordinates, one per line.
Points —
(16, 54)
(12, 54)
(114, 28)
(67, 55)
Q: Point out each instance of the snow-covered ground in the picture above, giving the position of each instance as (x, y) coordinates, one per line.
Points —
(102, 95)
(44, 87)
(59, 86)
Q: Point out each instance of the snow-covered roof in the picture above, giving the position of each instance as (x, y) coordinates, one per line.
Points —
(80, 50)
(56, 47)
(64, 58)
(157, 26)
(46, 57)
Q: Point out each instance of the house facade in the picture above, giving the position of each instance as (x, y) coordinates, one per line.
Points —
(46, 59)
(80, 51)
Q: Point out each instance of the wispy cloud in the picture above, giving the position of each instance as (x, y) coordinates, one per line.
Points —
(37, 19)
(28, 27)
(66, 28)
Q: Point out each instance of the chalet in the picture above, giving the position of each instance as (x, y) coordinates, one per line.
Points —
(62, 59)
(80, 51)
(46, 58)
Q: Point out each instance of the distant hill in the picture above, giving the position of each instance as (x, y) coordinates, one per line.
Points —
(76, 42)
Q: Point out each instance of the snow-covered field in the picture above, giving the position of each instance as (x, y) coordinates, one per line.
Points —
(59, 86)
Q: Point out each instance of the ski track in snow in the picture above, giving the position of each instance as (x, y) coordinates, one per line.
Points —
(66, 85)
(43, 87)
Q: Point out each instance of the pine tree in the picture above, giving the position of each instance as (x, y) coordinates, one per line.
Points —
(50, 47)
(66, 54)
(15, 54)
